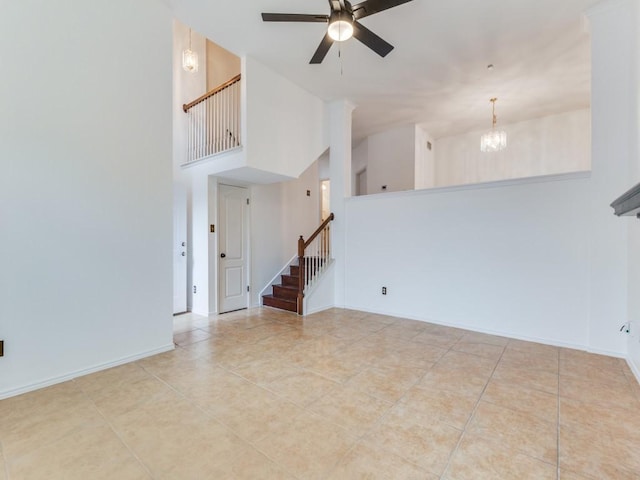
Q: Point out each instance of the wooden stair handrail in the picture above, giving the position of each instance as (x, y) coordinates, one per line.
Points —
(187, 106)
(302, 246)
(318, 231)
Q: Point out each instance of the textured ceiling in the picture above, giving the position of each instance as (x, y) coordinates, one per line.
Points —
(437, 75)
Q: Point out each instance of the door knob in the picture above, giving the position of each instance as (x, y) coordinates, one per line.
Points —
(223, 255)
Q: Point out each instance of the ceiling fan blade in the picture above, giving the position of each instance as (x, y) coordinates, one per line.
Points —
(294, 17)
(369, 7)
(371, 40)
(322, 50)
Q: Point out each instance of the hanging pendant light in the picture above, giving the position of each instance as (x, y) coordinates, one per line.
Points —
(190, 58)
(494, 140)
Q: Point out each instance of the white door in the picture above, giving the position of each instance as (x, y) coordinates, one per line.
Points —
(179, 249)
(233, 247)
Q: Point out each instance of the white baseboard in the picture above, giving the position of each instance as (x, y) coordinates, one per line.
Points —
(634, 368)
(86, 371)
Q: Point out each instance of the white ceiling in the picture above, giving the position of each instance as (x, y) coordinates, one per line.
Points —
(437, 75)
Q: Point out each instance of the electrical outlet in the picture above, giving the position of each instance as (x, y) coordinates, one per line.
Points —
(1, 348)
(384, 290)
(195, 289)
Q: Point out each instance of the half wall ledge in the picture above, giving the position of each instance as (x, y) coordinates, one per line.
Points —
(628, 203)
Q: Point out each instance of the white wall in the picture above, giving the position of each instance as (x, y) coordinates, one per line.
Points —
(615, 104)
(221, 65)
(391, 160)
(187, 86)
(85, 193)
(280, 213)
(514, 259)
(286, 126)
(542, 146)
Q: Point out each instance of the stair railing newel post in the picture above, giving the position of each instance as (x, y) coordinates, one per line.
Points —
(301, 273)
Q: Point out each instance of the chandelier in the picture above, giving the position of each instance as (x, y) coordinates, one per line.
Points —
(494, 140)
(190, 58)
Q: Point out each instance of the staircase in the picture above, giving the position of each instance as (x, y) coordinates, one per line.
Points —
(314, 255)
(285, 294)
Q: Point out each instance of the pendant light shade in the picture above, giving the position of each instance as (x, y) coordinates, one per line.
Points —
(494, 140)
(190, 58)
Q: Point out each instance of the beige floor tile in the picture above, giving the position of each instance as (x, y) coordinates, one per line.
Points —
(403, 330)
(340, 366)
(171, 435)
(380, 342)
(448, 407)
(386, 383)
(410, 354)
(314, 348)
(252, 414)
(481, 458)
(589, 366)
(463, 382)
(532, 402)
(307, 446)
(223, 407)
(109, 381)
(534, 348)
(189, 337)
(302, 387)
(616, 394)
(41, 401)
(94, 453)
(599, 454)
(249, 464)
(442, 340)
(531, 360)
(529, 435)
(623, 422)
(485, 350)
(527, 378)
(350, 408)
(467, 362)
(366, 462)
(44, 417)
(3, 473)
(264, 370)
(120, 397)
(418, 438)
(567, 475)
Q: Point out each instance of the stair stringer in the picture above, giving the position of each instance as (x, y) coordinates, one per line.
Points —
(321, 295)
(276, 277)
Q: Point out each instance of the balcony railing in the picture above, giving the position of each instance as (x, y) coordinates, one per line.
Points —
(214, 121)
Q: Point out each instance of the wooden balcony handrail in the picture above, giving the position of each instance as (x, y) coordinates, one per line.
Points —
(187, 106)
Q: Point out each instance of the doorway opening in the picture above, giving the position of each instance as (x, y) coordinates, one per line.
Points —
(325, 196)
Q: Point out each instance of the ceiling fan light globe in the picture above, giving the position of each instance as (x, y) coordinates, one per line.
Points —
(340, 30)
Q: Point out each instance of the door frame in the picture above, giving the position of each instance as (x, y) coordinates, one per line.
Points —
(247, 237)
(180, 226)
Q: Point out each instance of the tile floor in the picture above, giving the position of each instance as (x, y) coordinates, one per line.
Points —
(262, 394)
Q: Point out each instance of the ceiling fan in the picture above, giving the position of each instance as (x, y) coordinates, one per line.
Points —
(343, 24)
